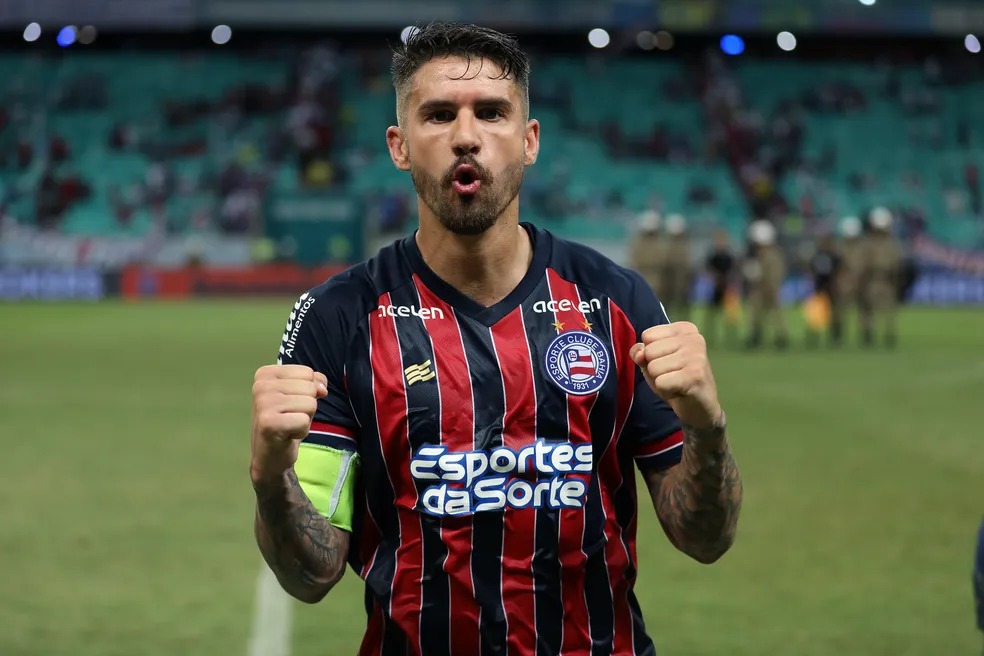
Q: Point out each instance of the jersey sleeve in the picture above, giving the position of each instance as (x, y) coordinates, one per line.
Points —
(328, 459)
(653, 431)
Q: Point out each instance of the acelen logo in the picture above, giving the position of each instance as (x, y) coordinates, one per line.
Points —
(410, 311)
(565, 305)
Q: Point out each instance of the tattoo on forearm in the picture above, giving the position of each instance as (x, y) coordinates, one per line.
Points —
(699, 501)
(300, 546)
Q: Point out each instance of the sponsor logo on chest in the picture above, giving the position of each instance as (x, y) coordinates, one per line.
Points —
(566, 305)
(410, 311)
(541, 475)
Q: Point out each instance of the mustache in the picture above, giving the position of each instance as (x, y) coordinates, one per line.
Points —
(480, 172)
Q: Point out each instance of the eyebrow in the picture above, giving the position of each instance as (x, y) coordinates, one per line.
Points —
(430, 106)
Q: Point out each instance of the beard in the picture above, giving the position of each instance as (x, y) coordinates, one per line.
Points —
(468, 215)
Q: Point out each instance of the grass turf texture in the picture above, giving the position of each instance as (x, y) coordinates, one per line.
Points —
(125, 522)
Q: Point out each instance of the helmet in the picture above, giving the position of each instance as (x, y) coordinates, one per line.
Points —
(762, 232)
(676, 224)
(850, 226)
(881, 218)
(649, 221)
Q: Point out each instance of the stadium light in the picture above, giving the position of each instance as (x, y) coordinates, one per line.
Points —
(665, 40)
(87, 35)
(32, 32)
(972, 43)
(646, 40)
(66, 36)
(786, 41)
(732, 44)
(599, 38)
(408, 32)
(221, 35)
(867, 3)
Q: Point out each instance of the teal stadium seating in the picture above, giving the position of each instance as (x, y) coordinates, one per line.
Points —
(628, 91)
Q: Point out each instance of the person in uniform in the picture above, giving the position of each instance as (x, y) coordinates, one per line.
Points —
(881, 258)
(677, 270)
(646, 251)
(764, 273)
(847, 279)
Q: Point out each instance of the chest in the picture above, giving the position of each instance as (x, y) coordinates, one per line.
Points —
(540, 373)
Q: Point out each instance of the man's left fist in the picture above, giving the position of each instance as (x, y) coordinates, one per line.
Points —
(673, 357)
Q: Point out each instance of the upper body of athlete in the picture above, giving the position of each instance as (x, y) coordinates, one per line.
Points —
(458, 417)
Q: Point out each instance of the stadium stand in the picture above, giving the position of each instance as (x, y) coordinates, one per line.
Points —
(98, 144)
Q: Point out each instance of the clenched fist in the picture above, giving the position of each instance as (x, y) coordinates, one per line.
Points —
(673, 358)
(285, 398)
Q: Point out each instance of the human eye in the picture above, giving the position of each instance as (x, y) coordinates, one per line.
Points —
(489, 113)
(440, 116)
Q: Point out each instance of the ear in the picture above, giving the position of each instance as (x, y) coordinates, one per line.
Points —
(399, 149)
(532, 145)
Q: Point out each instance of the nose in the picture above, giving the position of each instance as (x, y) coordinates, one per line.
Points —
(465, 140)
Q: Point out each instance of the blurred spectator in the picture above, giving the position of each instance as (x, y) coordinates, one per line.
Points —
(240, 212)
(46, 201)
(58, 151)
(83, 92)
(973, 179)
(394, 211)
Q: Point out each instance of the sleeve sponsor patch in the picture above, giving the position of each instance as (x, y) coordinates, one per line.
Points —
(293, 329)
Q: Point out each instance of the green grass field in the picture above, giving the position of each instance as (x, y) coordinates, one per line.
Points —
(125, 520)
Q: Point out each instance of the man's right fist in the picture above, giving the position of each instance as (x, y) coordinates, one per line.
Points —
(285, 398)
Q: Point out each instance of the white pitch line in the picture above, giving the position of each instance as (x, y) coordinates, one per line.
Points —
(271, 630)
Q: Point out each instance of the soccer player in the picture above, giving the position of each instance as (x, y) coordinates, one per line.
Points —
(458, 417)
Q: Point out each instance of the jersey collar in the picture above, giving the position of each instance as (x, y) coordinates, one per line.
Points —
(467, 306)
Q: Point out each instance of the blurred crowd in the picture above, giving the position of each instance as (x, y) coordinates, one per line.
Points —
(303, 122)
(307, 121)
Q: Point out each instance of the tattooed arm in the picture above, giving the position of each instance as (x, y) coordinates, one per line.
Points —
(305, 551)
(699, 499)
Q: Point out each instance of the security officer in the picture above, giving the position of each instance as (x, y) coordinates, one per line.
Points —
(765, 271)
(881, 258)
(677, 274)
(848, 277)
(646, 251)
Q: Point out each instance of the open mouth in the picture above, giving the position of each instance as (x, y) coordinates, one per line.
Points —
(466, 180)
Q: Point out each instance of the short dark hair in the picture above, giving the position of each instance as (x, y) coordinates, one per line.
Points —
(441, 39)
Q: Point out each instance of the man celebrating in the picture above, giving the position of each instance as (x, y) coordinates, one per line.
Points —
(457, 418)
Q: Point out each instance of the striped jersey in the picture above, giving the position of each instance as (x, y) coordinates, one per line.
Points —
(496, 501)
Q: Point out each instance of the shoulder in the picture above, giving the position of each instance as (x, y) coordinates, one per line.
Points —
(338, 305)
(325, 319)
(589, 268)
(356, 290)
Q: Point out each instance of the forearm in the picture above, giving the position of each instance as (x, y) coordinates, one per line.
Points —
(698, 502)
(302, 548)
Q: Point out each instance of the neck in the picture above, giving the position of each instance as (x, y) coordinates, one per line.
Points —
(484, 267)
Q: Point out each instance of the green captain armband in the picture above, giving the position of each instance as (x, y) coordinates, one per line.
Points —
(328, 478)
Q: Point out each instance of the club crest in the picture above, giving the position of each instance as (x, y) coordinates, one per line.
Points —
(577, 362)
